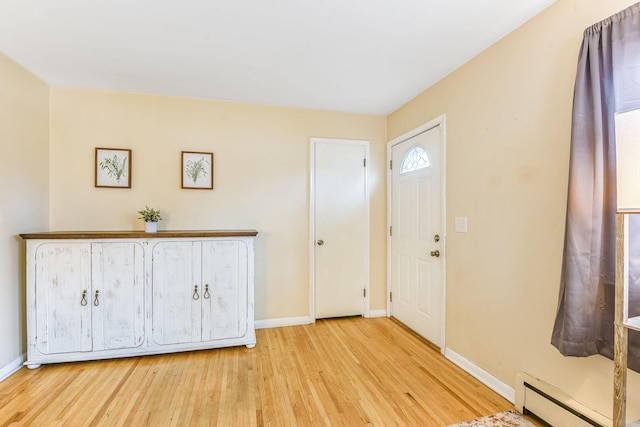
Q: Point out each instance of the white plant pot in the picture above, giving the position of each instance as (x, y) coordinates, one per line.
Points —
(150, 227)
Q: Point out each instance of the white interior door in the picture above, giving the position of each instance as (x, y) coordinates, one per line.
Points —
(417, 234)
(340, 227)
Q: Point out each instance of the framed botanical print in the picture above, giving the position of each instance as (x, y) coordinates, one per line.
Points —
(113, 168)
(197, 170)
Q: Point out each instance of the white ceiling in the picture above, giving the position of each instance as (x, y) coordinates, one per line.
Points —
(364, 56)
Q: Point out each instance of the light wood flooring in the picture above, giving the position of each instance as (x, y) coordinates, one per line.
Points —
(340, 372)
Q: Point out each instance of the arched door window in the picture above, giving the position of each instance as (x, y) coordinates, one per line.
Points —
(415, 159)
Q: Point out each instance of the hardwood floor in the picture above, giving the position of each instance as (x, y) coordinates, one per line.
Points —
(341, 372)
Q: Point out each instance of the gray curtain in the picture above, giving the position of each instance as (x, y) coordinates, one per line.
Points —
(607, 81)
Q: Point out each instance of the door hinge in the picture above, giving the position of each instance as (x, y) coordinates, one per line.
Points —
(364, 293)
(391, 231)
(390, 296)
(390, 164)
(364, 162)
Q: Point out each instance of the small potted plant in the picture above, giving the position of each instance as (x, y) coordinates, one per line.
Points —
(151, 217)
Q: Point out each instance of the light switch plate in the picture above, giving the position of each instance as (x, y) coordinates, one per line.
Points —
(461, 224)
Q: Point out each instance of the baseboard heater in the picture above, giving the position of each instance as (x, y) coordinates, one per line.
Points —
(569, 409)
(553, 406)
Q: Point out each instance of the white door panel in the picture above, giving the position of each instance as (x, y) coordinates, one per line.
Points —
(176, 300)
(417, 233)
(63, 290)
(340, 203)
(89, 297)
(117, 295)
(224, 292)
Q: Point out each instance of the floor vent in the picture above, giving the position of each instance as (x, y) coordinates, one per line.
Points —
(553, 405)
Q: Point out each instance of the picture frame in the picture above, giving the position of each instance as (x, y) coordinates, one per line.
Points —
(113, 167)
(197, 170)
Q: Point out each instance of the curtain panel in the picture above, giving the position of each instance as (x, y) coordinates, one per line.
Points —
(607, 81)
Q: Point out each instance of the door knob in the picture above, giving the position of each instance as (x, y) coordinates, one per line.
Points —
(435, 253)
(320, 242)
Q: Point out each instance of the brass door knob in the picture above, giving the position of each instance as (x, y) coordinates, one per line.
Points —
(320, 242)
(435, 253)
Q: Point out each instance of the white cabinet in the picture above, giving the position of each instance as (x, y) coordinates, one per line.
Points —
(115, 294)
(89, 296)
(224, 301)
(199, 291)
(62, 286)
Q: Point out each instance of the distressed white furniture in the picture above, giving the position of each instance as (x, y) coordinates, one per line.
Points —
(100, 295)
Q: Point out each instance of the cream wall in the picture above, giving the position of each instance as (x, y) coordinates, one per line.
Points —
(24, 194)
(508, 115)
(261, 177)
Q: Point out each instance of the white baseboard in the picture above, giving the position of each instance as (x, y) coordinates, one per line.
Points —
(378, 313)
(303, 320)
(9, 369)
(495, 384)
(284, 321)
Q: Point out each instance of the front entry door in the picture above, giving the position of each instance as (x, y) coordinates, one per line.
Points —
(340, 227)
(417, 235)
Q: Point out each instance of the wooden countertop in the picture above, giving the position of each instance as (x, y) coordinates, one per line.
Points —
(137, 234)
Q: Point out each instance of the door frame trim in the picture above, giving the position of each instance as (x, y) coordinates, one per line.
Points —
(438, 121)
(312, 220)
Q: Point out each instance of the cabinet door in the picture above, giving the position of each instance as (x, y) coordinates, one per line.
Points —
(224, 280)
(63, 310)
(117, 295)
(176, 292)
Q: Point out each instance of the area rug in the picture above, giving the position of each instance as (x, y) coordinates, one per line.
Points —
(503, 419)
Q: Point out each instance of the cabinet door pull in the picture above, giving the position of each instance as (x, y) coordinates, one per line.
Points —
(83, 301)
(96, 301)
(206, 292)
(196, 296)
